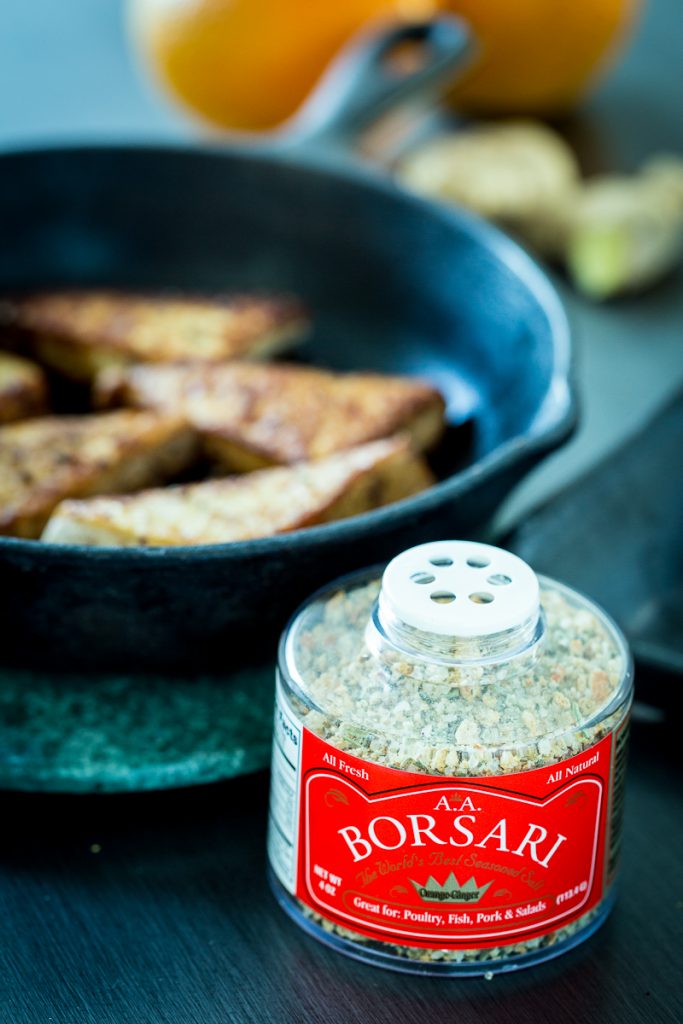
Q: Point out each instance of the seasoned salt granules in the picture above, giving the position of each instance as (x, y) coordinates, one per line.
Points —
(448, 763)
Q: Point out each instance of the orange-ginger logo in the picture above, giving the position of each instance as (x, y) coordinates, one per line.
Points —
(450, 891)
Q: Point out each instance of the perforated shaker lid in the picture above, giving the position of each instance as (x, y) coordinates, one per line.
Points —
(460, 589)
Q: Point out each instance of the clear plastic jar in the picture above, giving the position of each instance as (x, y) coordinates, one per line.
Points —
(448, 763)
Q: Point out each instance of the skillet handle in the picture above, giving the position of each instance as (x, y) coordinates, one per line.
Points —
(361, 84)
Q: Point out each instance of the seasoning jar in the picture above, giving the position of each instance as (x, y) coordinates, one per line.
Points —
(448, 763)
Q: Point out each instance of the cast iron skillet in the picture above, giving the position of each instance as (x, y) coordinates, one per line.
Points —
(395, 284)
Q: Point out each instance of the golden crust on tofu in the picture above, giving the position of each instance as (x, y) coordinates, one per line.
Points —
(79, 332)
(23, 389)
(45, 460)
(253, 415)
(238, 508)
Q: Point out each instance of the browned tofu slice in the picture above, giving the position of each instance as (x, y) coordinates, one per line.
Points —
(45, 460)
(23, 388)
(256, 415)
(259, 504)
(79, 332)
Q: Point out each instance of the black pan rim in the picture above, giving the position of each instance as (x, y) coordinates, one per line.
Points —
(553, 423)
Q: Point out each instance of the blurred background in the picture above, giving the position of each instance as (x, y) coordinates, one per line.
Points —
(68, 69)
(565, 127)
(607, 73)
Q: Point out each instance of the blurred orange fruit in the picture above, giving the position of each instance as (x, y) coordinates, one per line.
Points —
(536, 56)
(250, 64)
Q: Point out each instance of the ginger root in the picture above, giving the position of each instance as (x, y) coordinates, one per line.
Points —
(626, 232)
(615, 234)
(520, 174)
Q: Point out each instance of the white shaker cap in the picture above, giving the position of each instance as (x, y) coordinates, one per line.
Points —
(460, 588)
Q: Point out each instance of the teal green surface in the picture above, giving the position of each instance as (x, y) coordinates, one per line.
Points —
(123, 733)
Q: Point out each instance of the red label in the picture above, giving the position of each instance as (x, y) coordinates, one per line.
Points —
(451, 862)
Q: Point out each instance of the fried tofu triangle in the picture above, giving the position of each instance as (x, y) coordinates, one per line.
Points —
(45, 460)
(254, 415)
(259, 504)
(23, 388)
(79, 332)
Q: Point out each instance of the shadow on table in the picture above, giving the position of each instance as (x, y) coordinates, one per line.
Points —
(160, 900)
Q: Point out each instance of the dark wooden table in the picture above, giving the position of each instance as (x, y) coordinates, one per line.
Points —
(153, 909)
